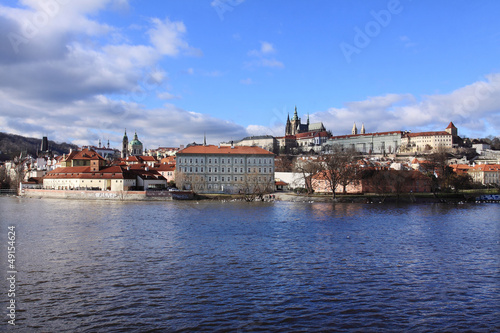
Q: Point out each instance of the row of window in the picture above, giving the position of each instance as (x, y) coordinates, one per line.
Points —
(224, 170)
(228, 160)
(258, 179)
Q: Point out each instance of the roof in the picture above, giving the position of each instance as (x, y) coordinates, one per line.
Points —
(486, 167)
(450, 125)
(211, 149)
(84, 154)
(412, 135)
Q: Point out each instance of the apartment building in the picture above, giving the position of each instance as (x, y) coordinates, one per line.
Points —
(225, 169)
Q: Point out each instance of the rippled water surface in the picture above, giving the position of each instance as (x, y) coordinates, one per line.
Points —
(90, 266)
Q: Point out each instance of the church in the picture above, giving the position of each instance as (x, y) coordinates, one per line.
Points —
(132, 148)
(295, 126)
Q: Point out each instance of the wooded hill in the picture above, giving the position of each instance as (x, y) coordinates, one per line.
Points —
(12, 145)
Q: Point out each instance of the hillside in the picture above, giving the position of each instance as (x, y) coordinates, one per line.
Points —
(12, 145)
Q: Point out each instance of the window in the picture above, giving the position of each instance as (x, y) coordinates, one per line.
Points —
(260, 170)
(215, 178)
(215, 170)
(222, 178)
(196, 161)
(249, 170)
(209, 160)
(241, 170)
(222, 169)
(209, 179)
(222, 162)
(209, 169)
(201, 169)
(190, 169)
(191, 160)
(241, 161)
(196, 169)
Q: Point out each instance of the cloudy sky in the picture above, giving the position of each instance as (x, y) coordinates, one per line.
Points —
(83, 70)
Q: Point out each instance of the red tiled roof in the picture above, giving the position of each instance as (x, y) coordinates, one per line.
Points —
(224, 150)
(412, 135)
(486, 167)
(85, 154)
(450, 125)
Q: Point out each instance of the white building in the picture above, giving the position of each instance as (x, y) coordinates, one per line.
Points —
(428, 141)
(225, 169)
(369, 143)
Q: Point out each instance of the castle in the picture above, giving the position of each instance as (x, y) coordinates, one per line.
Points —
(295, 126)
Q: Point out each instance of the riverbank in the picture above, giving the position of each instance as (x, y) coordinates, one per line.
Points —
(419, 198)
(98, 195)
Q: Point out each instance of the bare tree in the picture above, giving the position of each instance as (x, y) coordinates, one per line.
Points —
(340, 168)
(308, 169)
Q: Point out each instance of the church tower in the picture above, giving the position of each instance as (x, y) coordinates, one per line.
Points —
(288, 127)
(295, 122)
(125, 145)
(362, 128)
(135, 146)
(354, 129)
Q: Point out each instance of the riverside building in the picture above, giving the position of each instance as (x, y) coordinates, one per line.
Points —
(225, 169)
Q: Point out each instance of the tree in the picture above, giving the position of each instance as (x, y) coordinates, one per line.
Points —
(308, 168)
(339, 168)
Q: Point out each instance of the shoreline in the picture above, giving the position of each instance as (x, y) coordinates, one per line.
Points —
(418, 198)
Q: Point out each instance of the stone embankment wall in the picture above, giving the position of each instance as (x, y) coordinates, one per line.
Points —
(97, 195)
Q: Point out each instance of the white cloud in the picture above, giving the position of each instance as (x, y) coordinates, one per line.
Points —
(263, 57)
(247, 81)
(168, 38)
(474, 109)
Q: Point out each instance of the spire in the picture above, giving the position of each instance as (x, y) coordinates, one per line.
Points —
(354, 129)
(204, 138)
(362, 128)
(295, 115)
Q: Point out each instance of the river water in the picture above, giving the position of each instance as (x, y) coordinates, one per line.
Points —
(95, 266)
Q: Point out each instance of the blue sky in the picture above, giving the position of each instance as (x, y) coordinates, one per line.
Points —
(79, 71)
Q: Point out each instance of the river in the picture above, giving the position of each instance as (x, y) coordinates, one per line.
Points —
(101, 266)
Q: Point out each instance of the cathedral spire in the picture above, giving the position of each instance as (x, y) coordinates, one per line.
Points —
(354, 129)
(362, 128)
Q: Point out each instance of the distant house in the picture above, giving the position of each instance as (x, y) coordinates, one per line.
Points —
(377, 181)
(114, 178)
(485, 174)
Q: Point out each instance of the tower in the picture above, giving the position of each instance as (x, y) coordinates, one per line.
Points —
(125, 145)
(295, 122)
(362, 128)
(451, 129)
(288, 127)
(135, 146)
(354, 129)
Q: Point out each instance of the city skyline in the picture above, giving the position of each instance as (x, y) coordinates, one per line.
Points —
(80, 71)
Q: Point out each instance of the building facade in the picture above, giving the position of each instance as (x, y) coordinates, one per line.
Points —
(368, 143)
(428, 141)
(225, 169)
